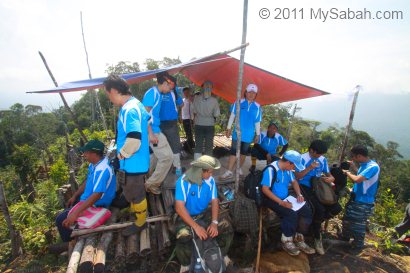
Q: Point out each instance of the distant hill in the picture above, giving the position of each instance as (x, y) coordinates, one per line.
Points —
(385, 117)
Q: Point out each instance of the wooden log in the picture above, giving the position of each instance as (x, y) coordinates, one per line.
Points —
(169, 201)
(145, 242)
(164, 224)
(157, 240)
(80, 232)
(75, 256)
(102, 247)
(119, 257)
(132, 247)
(87, 257)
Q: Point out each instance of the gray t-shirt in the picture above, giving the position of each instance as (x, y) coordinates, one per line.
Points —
(205, 110)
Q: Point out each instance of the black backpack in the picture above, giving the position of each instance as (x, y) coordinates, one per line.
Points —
(252, 184)
(208, 253)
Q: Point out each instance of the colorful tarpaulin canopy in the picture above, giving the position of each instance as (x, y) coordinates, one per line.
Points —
(222, 70)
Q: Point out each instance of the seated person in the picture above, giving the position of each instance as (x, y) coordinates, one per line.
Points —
(404, 226)
(97, 190)
(268, 143)
(315, 164)
(194, 191)
(293, 223)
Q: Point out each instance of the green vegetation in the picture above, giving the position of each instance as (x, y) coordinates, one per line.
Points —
(34, 149)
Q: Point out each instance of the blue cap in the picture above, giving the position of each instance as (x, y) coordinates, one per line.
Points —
(295, 158)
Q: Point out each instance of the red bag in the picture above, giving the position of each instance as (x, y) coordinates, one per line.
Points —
(92, 217)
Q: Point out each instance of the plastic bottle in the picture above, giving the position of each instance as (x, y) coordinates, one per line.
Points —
(228, 194)
(198, 266)
(318, 170)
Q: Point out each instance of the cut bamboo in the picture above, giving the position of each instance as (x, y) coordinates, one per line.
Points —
(75, 256)
(87, 257)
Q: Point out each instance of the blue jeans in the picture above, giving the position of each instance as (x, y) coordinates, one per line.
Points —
(65, 233)
(292, 221)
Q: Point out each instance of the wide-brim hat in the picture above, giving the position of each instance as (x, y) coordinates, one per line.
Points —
(206, 162)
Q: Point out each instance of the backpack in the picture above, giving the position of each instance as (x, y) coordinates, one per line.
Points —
(208, 253)
(244, 215)
(323, 191)
(252, 185)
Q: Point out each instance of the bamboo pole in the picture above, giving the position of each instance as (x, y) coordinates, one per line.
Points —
(238, 96)
(87, 257)
(63, 99)
(80, 232)
(349, 126)
(75, 256)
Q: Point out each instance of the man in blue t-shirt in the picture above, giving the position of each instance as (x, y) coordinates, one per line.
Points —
(132, 148)
(293, 223)
(98, 189)
(266, 148)
(162, 152)
(361, 204)
(250, 120)
(194, 191)
(169, 123)
(316, 166)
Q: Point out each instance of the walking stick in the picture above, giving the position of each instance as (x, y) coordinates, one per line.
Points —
(259, 242)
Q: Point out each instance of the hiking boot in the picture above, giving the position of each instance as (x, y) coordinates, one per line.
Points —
(319, 247)
(300, 243)
(226, 176)
(133, 229)
(252, 169)
(289, 246)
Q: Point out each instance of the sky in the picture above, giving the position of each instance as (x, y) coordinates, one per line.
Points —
(331, 54)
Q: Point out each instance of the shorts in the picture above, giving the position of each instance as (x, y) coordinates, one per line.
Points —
(244, 148)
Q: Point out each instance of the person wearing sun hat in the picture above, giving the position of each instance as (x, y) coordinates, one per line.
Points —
(293, 223)
(193, 193)
(206, 110)
(97, 190)
(250, 118)
(266, 148)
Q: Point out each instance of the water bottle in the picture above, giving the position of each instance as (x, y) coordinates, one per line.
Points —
(228, 194)
(258, 197)
(198, 266)
(318, 170)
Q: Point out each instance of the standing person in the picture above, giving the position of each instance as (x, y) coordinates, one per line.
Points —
(250, 119)
(158, 142)
(132, 148)
(168, 115)
(361, 204)
(293, 223)
(97, 190)
(206, 110)
(315, 164)
(266, 148)
(194, 191)
(187, 115)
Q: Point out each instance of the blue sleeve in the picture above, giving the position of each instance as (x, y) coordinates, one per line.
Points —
(259, 115)
(179, 100)
(267, 178)
(149, 98)
(133, 122)
(325, 166)
(370, 172)
(180, 193)
(100, 185)
(282, 141)
(214, 191)
(262, 137)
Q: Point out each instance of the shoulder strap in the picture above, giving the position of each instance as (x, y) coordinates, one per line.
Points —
(274, 174)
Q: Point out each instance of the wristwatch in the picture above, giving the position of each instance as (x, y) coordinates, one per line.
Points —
(215, 222)
(300, 195)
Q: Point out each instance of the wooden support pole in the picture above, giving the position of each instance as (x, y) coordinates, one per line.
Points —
(145, 242)
(80, 232)
(16, 240)
(165, 233)
(87, 257)
(132, 246)
(63, 99)
(238, 95)
(119, 257)
(75, 256)
(349, 126)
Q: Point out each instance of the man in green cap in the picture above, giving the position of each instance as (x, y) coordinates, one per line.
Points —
(194, 191)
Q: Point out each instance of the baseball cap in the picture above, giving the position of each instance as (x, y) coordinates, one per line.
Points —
(93, 146)
(206, 162)
(273, 123)
(252, 88)
(295, 158)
